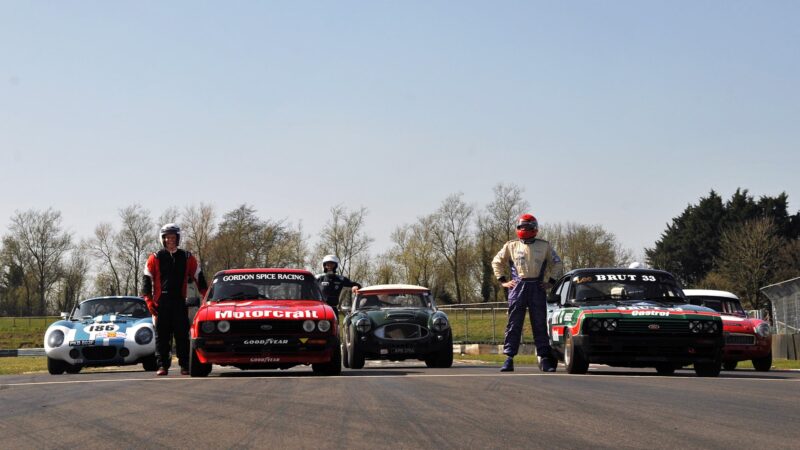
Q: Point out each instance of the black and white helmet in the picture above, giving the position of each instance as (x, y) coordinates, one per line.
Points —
(170, 228)
(330, 258)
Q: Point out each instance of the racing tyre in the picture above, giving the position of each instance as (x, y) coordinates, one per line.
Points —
(708, 369)
(355, 358)
(665, 369)
(55, 367)
(763, 364)
(334, 367)
(444, 358)
(196, 368)
(149, 363)
(729, 365)
(345, 357)
(574, 359)
(73, 369)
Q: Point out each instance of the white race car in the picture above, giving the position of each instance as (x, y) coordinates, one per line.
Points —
(102, 331)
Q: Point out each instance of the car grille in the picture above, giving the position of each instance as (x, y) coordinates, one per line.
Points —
(260, 327)
(99, 353)
(402, 331)
(654, 327)
(740, 339)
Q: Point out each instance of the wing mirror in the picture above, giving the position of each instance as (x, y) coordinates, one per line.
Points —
(193, 302)
(64, 315)
(553, 298)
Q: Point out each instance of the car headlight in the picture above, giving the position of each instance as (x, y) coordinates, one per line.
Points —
(143, 336)
(710, 326)
(763, 330)
(324, 325)
(594, 325)
(440, 323)
(695, 326)
(308, 326)
(208, 327)
(609, 324)
(55, 339)
(363, 325)
(223, 326)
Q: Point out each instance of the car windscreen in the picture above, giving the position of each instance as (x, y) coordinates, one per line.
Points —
(720, 304)
(414, 300)
(265, 286)
(136, 308)
(626, 286)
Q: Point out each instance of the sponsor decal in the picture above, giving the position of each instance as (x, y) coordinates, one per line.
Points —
(264, 276)
(303, 340)
(258, 314)
(615, 277)
(654, 326)
(264, 359)
(567, 317)
(556, 336)
(106, 327)
(650, 313)
(81, 342)
(267, 341)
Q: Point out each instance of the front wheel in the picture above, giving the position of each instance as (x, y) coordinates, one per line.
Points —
(711, 369)
(665, 369)
(333, 367)
(345, 356)
(73, 369)
(444, 358)
(196, 368)
(764, 363)
(149, 363)
(355, 357)
(55, 366)
(574, 359)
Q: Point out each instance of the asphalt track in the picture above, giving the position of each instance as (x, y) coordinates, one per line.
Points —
(394, 405)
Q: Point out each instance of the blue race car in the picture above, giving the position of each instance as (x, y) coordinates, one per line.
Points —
(102, 331)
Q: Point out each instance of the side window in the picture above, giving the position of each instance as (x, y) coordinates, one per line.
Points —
(565, 291)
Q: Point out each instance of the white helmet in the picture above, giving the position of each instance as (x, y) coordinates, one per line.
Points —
(330, 258)
(170, 228)
(637, 265)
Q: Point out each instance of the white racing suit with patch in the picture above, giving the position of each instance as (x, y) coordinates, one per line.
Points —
(530, 262)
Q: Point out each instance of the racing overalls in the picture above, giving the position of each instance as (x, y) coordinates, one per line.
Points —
(531, 262)
(331, 285)
(166, 276)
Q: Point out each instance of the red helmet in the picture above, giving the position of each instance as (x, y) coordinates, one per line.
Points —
(527, 226)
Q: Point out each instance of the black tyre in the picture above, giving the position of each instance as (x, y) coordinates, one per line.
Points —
(56, 367)
(345, 357)
(149, 363)
(574, 359)
(355, 357)
(443, 358)
(729, 365)
(334, 367)
(73, 369)
(708, 369)
(665, 369)
(763, 364)
(196, 368)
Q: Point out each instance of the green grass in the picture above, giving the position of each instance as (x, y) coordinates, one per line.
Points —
(23, 332)
(22, 364)
(483, 326)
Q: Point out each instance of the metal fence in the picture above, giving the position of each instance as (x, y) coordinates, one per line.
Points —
(481, 323)
(785, 298)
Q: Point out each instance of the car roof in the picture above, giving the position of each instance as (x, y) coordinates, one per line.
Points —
(593, 270)
(709, 293)
(392, 288)
(262, 270)
(114, 297)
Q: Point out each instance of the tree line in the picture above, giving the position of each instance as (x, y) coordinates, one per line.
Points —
(45, 269)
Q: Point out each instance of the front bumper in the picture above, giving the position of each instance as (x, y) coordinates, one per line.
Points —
(374, 347)
(642, 351)
(102, 352)
(743, 347)
(261, 350)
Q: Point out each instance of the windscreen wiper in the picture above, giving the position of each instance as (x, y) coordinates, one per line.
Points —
(243, 296)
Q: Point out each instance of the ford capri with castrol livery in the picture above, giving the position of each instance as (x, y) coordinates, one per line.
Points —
(264, 319)
(396, 322)
(631, 318)
(99, 332)
(745, 338)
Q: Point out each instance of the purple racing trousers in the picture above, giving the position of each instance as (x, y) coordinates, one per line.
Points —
(527, 295)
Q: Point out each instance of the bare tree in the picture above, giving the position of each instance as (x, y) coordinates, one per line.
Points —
(170, 215)
(748, 252)
(199, 226)
(16, 281)
(582, 245)
(344, 236)
(135, 240)
(73, 282)
(39, 234)
(103, 247)
(451, 237)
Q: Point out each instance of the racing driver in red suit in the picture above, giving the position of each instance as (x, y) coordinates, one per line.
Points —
(166, 276)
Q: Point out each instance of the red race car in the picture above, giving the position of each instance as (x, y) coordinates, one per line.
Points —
(264, 319)
(745, 338)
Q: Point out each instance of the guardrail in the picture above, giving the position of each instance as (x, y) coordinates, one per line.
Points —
(22, 352)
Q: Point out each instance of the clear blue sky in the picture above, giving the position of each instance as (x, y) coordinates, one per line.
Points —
(618, 113)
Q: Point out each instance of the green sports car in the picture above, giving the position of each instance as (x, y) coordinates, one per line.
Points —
(396, 322)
